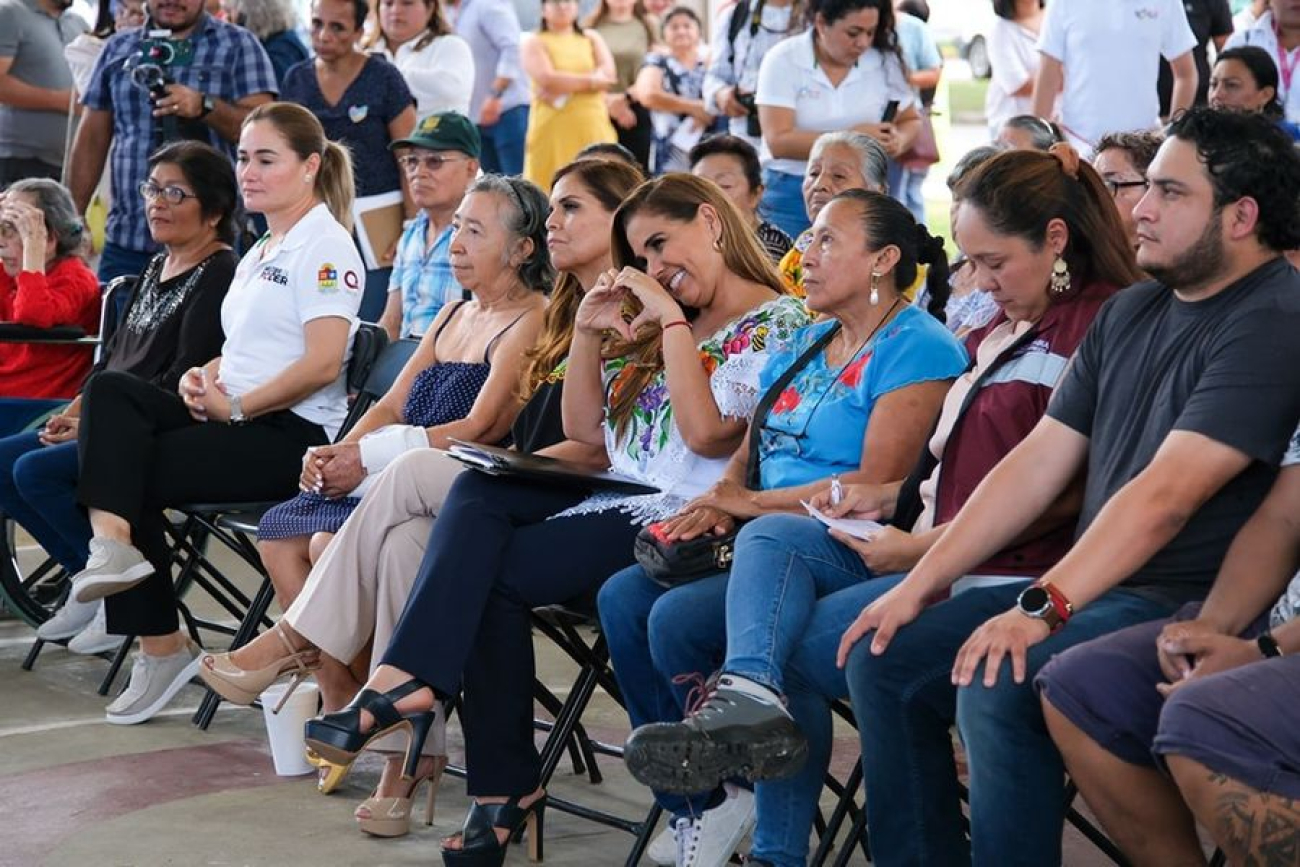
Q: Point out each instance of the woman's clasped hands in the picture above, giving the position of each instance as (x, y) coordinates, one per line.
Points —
(332, 471)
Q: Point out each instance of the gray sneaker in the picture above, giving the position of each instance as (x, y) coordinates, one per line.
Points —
(734, 733)
(154, 680)
(69, 620)
(96, 638)
(111, 568)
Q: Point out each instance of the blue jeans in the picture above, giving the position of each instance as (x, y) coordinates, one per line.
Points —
(905, 185)
(783, 202)
(38, 490)
(905, 705)
(117, 261)
(503, 142)
(793, 592)
(17, 414)
(655, 634)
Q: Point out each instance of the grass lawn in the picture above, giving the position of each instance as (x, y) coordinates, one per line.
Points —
(966, 100)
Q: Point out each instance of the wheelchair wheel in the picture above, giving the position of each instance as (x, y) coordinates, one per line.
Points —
(32, 585)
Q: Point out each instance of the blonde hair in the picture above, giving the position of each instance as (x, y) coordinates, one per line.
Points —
(678, 197)
(303, 133)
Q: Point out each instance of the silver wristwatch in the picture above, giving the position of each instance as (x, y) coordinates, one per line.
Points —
(237, 410)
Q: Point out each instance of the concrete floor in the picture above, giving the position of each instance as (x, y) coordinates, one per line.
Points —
(77, 791)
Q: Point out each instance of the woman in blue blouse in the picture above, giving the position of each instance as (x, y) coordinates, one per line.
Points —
(363, 103)
(869, 382)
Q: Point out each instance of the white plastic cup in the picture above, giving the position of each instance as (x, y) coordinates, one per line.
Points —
(284, 730)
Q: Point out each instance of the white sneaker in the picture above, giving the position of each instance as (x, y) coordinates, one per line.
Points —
(73, 617)
(710, 840)
(154, 680)
(663, 848)
(111, 568)
(95, 638)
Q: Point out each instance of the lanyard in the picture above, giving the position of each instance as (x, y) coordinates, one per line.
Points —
(1286, 60)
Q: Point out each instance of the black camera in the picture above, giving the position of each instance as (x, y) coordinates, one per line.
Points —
(752, 127)
(150, 68)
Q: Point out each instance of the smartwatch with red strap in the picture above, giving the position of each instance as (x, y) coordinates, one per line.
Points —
(1043, 601)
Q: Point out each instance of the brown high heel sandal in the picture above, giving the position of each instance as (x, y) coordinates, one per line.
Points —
(239, 686)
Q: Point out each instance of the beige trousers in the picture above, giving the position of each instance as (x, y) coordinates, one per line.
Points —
(358, 587)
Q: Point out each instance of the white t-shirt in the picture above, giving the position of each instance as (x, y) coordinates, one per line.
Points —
(1013, 55)
(315, 272)
(736, 65)
(1263, 35)
(790, 78)
(1111, 53)
(440, 75)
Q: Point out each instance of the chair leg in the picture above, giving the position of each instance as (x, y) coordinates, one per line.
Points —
(643, 836)
(115, 666)
(247, 629)
(33, 652)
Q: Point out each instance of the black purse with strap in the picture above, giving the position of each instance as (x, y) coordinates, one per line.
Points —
(670, 563)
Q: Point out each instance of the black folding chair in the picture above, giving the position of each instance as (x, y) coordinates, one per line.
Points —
(373, 369)
(35, 594)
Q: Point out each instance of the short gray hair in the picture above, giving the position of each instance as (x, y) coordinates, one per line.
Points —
(875, 163)
(524, 216)
(265, 18)
(61, 217)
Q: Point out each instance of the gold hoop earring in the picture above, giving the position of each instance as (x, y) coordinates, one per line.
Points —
(874, 297)
(1060, 277)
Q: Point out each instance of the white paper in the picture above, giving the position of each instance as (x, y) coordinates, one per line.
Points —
(363, 205)
(859, 528)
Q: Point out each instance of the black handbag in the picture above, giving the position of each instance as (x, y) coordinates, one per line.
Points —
(670, 564)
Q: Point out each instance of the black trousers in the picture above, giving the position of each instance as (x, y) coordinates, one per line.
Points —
(141, 452)
(493, 556)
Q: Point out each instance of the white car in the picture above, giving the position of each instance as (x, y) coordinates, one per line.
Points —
(964, 24)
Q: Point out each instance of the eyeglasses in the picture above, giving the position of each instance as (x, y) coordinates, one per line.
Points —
(1116, 186)
(171, 195)
(412, 163)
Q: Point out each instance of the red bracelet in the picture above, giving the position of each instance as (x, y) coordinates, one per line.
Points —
(664, 328)
(1064, 608)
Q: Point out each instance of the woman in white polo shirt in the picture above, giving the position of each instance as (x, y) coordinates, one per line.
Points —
(240, 424)
(842, 73)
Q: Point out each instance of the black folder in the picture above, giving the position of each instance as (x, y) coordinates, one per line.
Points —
(504, 462)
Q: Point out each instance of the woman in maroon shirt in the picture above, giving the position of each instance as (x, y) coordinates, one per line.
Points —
(43, 283)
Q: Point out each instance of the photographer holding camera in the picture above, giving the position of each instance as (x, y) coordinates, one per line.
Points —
(184, 75)
(744, 33)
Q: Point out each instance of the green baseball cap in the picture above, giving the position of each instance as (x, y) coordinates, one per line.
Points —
(444, 131)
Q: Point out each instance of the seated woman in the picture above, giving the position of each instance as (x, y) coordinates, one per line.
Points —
(171, 323)
(1027, 132)
(851, 396)
(838, 161)
(1245, 78)
(671, 85)
(1122, 158)
(237, 430)
(461, 383)
(1046, 242)
(43, 283)
(732, 163)
(662, 372)
(357, 589)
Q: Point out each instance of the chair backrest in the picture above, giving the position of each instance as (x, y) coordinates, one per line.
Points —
(112, 309)
(367, 344)
(382, 373)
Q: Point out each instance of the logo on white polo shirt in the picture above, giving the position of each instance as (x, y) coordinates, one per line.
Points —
(351, 281)
(1150, 13)
(272, 274)
(327, 279)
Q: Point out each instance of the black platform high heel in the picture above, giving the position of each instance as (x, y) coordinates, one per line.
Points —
(337, 737)
(480, 846)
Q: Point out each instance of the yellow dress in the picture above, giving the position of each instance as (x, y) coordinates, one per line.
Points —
(555, 135)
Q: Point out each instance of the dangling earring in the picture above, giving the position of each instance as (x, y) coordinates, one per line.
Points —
(1060, 277)
(306, 179)
(874, 297)
(717, 244)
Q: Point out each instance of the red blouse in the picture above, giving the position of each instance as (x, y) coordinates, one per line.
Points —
(67, 295)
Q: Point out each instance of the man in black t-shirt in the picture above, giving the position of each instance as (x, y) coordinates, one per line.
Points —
(1176, 410)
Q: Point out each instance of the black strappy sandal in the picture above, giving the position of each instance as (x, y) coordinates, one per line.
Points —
(480, 846)
(337, 737)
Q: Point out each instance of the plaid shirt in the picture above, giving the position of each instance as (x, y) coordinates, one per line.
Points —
(228, 63)
(424, 278)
